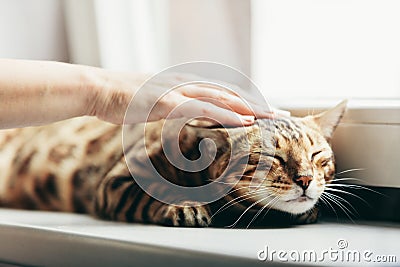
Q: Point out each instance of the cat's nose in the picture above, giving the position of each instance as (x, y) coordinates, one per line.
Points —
(303, 181)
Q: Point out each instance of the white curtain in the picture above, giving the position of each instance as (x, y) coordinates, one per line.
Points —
(119, 34)
(149, 35)
(32, 30)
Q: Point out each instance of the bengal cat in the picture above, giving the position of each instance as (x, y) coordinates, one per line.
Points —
(78, 165)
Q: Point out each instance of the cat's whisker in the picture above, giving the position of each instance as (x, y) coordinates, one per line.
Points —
(260, 182)
(242, 175)
(347, 179)
(233, 202)
(242, 198)
(273, 201)
(246, 210)
(250, 192)
(219, 182)
(326, 202)
(350, 170)
(248, 186)
(265, 214)
(347, 193)
(337, 200)
(355, 187)
(338, 204)
(241, 188)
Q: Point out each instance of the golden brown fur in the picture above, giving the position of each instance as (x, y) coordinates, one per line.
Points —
(79, 166)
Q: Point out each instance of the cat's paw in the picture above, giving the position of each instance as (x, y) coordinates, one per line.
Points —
(308, 217)
(187, 214)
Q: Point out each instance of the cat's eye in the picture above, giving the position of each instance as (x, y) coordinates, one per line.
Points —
(281, 160)
(324, 163)
(314, 154)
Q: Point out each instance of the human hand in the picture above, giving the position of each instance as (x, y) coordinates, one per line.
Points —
(230, 107)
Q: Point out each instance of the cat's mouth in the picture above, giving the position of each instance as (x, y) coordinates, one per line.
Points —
(296, 204)
(302, 198)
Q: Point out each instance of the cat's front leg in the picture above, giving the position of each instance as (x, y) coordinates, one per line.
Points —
(123, 200)
(186, 213)
(119, 198)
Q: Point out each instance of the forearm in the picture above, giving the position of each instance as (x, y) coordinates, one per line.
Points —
(41, 92)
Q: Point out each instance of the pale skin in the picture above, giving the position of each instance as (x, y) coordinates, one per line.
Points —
(41, 92)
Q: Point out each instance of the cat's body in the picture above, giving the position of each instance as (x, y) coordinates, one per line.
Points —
(79, 166)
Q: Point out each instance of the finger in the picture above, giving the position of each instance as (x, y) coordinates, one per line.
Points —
(220, 98)
(281, 112)
(235, 90)
(260, 108)
(225, 100)
(193, 108)
(175, 79)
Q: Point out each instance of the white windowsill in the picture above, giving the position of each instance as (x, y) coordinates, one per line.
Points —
(329, 102)
(61, 239)
(385, 111)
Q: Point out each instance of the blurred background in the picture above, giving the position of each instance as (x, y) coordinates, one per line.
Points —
(331, 48)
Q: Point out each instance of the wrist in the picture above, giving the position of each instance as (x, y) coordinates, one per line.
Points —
(92, 86)
(108, 93)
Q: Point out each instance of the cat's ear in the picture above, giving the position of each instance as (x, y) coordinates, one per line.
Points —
(329, 120)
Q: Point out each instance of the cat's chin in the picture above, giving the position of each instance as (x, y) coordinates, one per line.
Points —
(295, 206)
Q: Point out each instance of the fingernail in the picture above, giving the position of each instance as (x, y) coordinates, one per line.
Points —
(247, 119)
(283, 113)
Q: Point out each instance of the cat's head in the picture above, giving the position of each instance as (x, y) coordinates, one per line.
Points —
(298, 162)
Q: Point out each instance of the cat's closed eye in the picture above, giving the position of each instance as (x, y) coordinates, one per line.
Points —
(277, 157)
(322, 159)
(314, 154)
(324, 162)
(280, 159)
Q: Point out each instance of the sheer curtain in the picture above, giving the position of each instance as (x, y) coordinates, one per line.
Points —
(149, 35)
(119, 34)
(32, 30)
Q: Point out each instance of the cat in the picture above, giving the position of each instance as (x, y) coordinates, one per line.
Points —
(279, 167)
